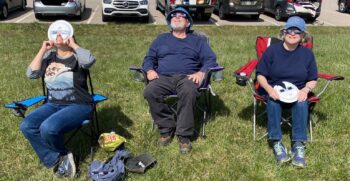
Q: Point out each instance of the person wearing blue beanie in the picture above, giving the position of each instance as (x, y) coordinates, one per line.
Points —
(176, 63)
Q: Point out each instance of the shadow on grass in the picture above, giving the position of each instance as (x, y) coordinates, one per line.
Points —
(110, 119)
(217, 108)
(261, 120)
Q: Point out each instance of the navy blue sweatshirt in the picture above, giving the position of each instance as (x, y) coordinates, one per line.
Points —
(278, 64)
(169, 55)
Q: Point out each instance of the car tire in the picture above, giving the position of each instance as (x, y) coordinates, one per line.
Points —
(342, 7)
(145, 19)
(24, 5)
(82, 9)
(157, 6)
(105, 18)
(206, 16)
(38, 16)
(255, 16)
(222, 14)
(4, 13)
(278, 13)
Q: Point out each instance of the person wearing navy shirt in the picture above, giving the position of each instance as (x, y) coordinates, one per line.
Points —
(291, 62)
(176, 63)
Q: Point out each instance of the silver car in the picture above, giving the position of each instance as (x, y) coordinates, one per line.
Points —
(59, 7)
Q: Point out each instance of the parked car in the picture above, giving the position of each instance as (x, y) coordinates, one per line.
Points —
(58, 7)
(202, 9)
(7, 6)
(125, 8)
(343, 5)
(282, 9)
(245, 7)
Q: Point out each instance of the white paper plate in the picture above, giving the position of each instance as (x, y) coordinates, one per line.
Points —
(60, 26)
(288, 93)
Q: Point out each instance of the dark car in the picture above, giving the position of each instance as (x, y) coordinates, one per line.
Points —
(7, 6)
(239, 7)
(202, 9)
(282, 9)
(344, 5)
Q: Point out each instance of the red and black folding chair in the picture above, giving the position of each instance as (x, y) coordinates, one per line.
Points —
(244, 76)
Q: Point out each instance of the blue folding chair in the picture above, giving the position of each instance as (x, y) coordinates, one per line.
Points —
(206, 91)
(20, 107)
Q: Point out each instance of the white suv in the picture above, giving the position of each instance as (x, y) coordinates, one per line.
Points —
(125, 8)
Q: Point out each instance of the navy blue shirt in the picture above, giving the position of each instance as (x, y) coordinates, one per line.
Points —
(169, 55)
(278, 64)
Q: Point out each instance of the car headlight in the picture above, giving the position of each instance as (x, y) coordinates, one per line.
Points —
(107, 1)
(144, 2)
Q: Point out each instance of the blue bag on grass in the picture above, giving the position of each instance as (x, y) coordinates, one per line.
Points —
(112, 170)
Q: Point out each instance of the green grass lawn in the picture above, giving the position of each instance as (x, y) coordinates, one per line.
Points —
(229, 152)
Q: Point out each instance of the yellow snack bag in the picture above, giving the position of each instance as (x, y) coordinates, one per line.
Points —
(110, 141)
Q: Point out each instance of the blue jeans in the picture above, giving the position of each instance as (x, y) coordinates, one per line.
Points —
(300, 114)
(45, 127)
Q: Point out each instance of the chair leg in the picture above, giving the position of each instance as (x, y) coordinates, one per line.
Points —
(310, 127)
(254, 118)
(204, 124)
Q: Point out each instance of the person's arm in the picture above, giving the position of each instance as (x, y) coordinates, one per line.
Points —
(208, 60)
(34, 68)
(312, 76)
(84, 57)
(149, 62)
(268, 88)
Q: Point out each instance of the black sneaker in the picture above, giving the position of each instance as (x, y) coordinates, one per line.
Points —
(66, 166)
(185, 144)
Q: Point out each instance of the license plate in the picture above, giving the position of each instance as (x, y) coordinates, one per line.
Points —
(247, 3)
(192, 9)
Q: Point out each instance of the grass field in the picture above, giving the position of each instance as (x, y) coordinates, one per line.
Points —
(229, 152)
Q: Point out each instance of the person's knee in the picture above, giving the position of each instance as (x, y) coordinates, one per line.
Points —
(25, 126)
(47, 130)
(150, 92)
(302, 105)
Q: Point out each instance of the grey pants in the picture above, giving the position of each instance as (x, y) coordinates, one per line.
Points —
(187, 93)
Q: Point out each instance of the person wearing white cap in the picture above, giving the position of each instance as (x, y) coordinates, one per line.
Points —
(284, 64)
(62, 63)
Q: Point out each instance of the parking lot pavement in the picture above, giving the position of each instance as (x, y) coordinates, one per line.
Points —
(93, 15)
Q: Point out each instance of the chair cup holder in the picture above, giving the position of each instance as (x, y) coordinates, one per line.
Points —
(218, 76)
(241, 80)
(138, 76)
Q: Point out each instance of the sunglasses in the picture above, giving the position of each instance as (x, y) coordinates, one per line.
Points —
(178, 15)
(293, 31)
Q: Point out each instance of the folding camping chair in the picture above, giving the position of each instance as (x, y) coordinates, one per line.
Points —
(20, 107)
(205, 90)
(244, 76)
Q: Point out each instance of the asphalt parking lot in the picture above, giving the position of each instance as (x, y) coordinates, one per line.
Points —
(93, 15)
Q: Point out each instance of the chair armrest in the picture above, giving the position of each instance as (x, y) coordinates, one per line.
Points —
(244, 73)
(139, 71)
(208, 75)
(96, 98)
(20, 107)
(330, 77)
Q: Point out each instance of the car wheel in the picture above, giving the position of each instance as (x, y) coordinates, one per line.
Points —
(82, 9)
(24, 5)
(255, 16)
(342, 6)
(38, 16)
(278, 13)
(222, 14)
(105, 18)
(5, 12)
(145, 19)
(206, 16)
(157, 6)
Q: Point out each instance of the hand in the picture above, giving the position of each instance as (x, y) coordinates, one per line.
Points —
(197, 77)
(47, 45)
(302, 95)
(71, 43)
(273, 94)
(151, 75)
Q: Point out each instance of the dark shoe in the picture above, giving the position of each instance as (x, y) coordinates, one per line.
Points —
(298, 155)
(165, 139)
(280, 152)
(66, 166)
(185, 144)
